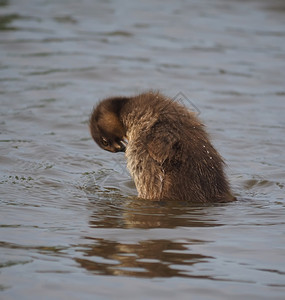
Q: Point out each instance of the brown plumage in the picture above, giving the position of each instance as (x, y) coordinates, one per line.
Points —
(168, 153)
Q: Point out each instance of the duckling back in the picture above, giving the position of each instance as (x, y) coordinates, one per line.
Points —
(169, 154)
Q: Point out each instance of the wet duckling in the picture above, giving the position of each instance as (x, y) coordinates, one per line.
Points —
(169, 154)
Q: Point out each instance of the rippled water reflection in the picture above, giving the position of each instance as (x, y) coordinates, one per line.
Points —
(71, 225)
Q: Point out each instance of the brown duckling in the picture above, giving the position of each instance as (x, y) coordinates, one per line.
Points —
(169, 154)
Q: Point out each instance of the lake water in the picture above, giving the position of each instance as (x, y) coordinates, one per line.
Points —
(70, 224)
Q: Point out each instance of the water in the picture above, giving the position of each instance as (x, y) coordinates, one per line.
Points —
(71, 226)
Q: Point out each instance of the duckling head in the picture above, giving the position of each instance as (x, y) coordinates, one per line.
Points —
(106, 127)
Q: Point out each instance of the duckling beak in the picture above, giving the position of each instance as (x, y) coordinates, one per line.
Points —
(124, 144)
(121, 147)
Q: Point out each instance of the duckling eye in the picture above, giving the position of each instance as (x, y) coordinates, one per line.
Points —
(104, 142)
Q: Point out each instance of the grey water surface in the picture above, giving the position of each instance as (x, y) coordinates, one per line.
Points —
(71, 226)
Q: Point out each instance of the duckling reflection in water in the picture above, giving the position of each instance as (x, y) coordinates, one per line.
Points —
(169, 154)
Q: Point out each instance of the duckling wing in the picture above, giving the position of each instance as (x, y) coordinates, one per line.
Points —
(162, 142)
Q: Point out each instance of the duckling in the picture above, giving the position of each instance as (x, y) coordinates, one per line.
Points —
(168, 151)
